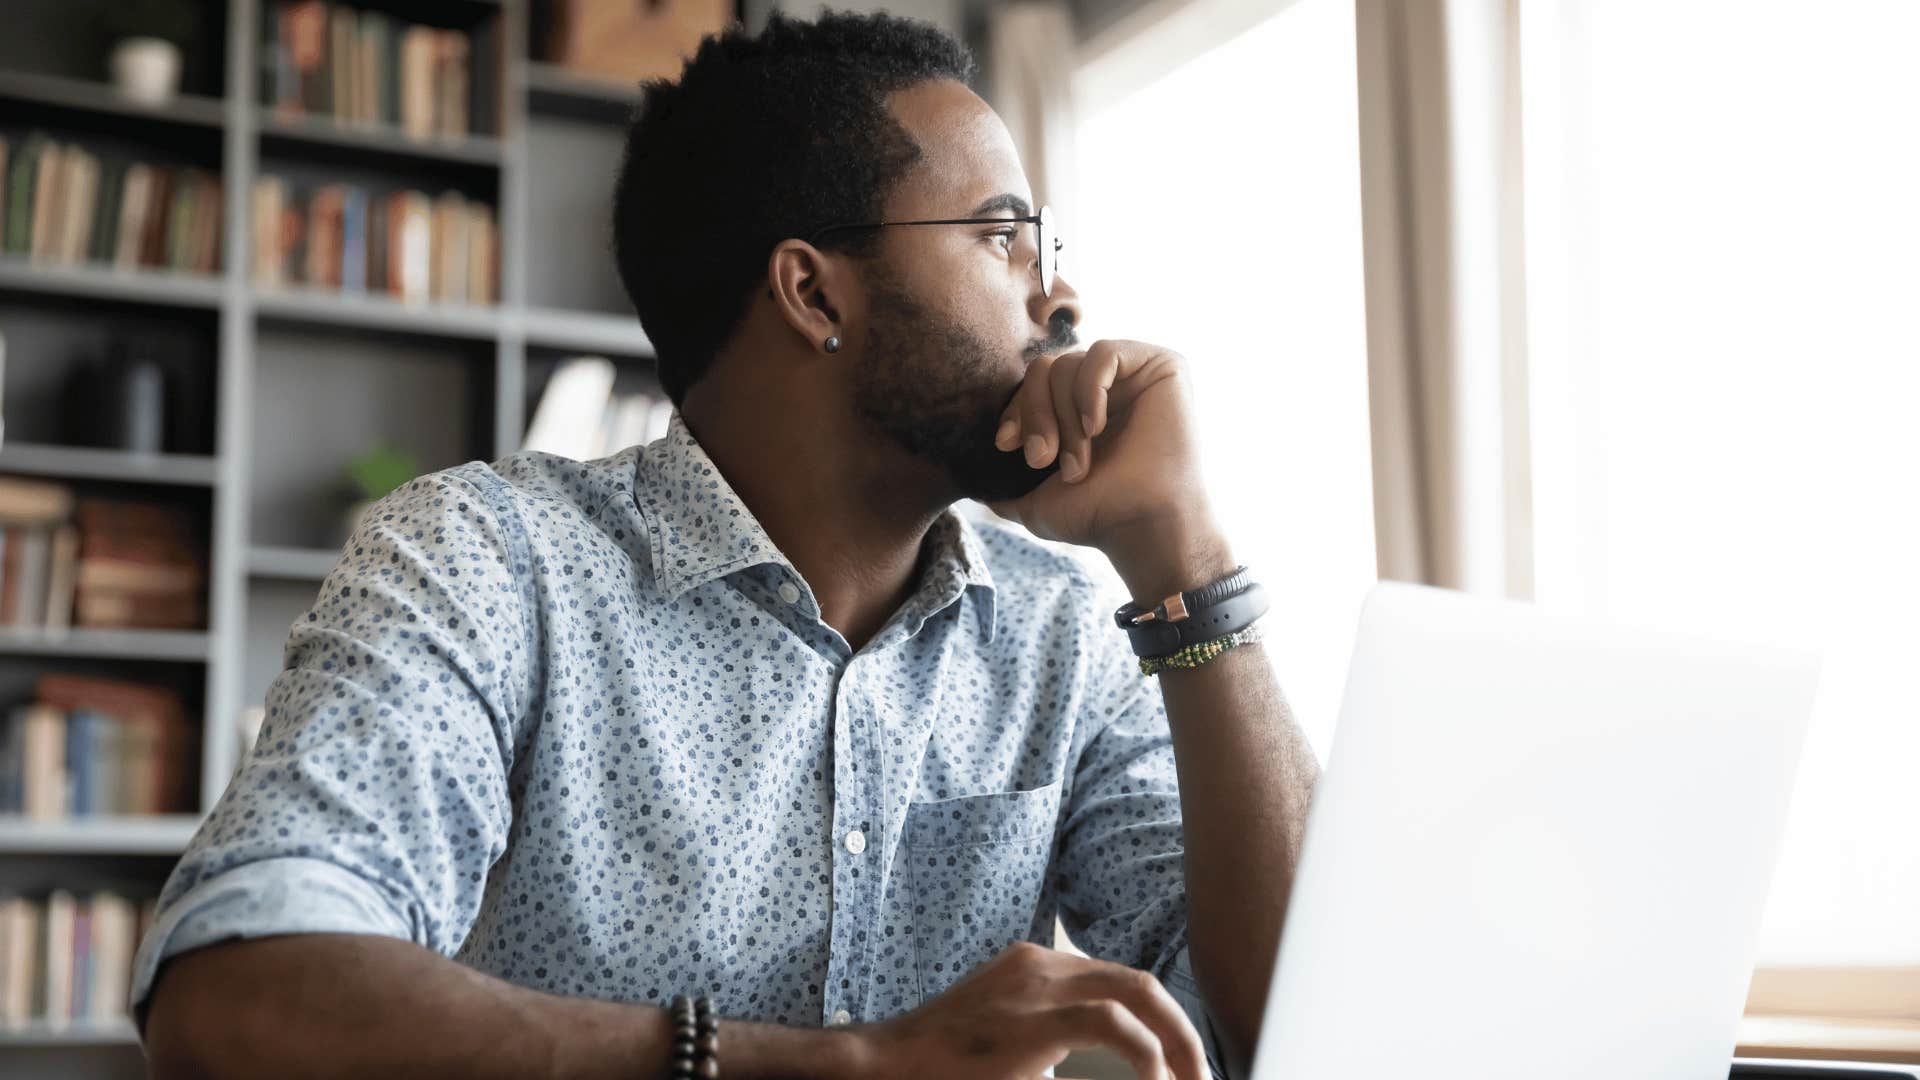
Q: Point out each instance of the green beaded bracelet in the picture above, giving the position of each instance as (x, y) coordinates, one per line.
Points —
(1192, 656)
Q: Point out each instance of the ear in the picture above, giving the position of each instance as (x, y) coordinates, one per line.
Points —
(811, 291)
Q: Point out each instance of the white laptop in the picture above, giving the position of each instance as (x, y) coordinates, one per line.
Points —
(1541, 847)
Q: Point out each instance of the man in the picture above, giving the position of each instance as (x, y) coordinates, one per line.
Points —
(752, 711)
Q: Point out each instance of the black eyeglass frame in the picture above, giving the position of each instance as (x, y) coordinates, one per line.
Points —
(1042, 222)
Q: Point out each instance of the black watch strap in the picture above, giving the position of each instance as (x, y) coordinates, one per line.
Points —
(1213, 610)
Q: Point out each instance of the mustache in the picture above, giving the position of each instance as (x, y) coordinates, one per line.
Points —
(1060, 340)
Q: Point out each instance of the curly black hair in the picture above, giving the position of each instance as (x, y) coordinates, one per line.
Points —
(761, 138)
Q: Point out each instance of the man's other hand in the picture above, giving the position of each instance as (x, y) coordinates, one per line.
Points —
(1023, 1011)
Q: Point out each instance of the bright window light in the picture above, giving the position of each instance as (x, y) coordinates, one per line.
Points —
(1218, 214)
(1722, 230)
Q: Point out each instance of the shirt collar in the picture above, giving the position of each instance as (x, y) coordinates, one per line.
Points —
(668, 497)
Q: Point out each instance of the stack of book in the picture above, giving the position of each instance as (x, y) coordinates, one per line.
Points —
(405, 244)
(39, 554)
(64, 204)
(579, 416)
(96, 562)
(370, 68)
(68, 956)
(141, 566)
(87, 745)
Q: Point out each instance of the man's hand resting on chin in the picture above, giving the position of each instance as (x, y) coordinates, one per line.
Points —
(1023, 1011)
(1119, 417)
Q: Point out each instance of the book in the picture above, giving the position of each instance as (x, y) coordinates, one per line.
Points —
(416, 75)
(136, 196)
(451, 83)
(447, 280)
(81, 727)
(61, 575)
(57, 1006)
(411, 254)
(12, 758)
(110, 973)
(353, 239)
(44, 762)
(482, 257)
(26, 501)
(159, 754)
(160, 198)
(268, 203)
(78, 994)
(340, 75)
(30, 603)
(20, 958)
(48, 186)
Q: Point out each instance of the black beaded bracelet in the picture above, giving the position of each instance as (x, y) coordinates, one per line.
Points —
(696, 1039)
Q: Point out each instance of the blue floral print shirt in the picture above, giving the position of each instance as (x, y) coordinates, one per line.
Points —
(579, 725)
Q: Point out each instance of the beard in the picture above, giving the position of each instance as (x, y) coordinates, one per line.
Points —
(932, 387)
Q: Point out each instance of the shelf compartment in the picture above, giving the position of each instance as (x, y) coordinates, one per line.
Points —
(35, 95)
(191, 646)
(291, 563)
(106, 834)
(366, 310)
(553, 90)
(116, 1032)
(95, 463)
(93, 281)
(281, 134)
(588, 331)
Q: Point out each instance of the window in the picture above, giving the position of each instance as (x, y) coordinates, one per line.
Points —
(1721, 233)
(1217, 213)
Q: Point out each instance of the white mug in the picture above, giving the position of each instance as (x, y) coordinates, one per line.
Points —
(146, 69)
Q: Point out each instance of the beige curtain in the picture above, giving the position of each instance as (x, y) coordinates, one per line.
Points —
(1029, 69)
(1446, 320)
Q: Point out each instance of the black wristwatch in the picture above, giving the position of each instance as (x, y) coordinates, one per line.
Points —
(1185, 618)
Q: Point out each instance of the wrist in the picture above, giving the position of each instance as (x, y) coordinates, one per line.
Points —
(1163, 558)
(753, 1049)
(855, 1056)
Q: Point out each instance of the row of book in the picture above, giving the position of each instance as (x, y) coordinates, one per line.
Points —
(367, 67)
(90, 745)
(66, 204)
(97, 562)
(405, 244)
(579, 415)
(68, 956)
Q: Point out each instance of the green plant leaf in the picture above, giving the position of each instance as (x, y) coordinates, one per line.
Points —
(381, 469)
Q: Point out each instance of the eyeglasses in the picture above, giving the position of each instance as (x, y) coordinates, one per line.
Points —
(1045, 242)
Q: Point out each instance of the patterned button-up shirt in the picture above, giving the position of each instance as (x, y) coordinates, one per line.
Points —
(579, 725)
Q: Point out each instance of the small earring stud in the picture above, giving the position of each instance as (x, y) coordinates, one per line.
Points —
(833, 344)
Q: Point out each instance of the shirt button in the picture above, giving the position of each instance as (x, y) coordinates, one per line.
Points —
(843, 1016)
(788, 593)
(856, 841)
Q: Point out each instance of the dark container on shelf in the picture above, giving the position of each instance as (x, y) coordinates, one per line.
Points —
(119, 402)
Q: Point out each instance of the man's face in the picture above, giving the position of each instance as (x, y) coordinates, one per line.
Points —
(956, 312)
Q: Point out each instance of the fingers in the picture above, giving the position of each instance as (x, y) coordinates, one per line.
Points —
(1065, 401)
(1179, 1043)
(1082, 400)
(1075, 449)
(1033, 407)
(1106, 1022)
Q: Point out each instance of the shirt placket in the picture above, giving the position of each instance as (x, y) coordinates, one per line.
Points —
(857, 812)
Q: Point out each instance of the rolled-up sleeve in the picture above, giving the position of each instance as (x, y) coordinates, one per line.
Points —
(375, 799)
(1119, 874)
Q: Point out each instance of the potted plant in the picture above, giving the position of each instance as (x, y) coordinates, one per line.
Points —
(374, 474)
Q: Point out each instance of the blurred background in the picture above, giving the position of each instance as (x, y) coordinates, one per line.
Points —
(1598, 303)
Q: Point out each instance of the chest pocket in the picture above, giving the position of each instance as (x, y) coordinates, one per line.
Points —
(976, 865)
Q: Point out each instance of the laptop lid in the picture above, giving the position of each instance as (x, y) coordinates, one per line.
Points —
(1540, 847)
